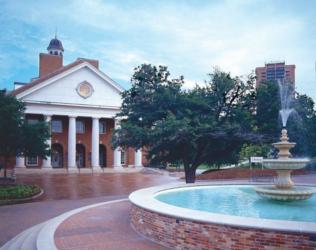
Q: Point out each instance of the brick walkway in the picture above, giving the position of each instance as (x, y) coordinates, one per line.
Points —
(66, 192)
(103, 227)
(74, 186)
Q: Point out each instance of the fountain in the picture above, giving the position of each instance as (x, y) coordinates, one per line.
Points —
(284, 189)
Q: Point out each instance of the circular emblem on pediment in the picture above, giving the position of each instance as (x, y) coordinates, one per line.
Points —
(85, 89)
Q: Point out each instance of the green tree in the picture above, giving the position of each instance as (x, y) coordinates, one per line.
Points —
(301, 126)
(267, 110)
(249, 150)
(206, 125)
(16, 135)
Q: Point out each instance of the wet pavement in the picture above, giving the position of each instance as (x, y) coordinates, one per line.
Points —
(66, 192)
(86, 185)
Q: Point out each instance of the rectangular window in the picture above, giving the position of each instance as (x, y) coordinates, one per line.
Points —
(32, 161)
(102, 127)
(123, 157)
(57, 126)
(80, 128)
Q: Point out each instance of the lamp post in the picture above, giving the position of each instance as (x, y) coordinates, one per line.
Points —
(138, 152)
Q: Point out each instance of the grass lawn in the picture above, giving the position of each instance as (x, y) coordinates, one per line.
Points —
(17, 191)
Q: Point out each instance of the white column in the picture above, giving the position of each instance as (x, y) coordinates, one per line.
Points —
(138, 158)
(117, 158)
(47, 163)
(117, 151)
(20, 162)
(95, 143)
(72, 142)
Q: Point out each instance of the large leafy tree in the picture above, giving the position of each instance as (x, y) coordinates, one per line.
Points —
(206, 125)
(301, 126)
(16, 135)
(268, 106)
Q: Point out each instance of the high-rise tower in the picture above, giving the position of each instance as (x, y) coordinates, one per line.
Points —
(275, 71)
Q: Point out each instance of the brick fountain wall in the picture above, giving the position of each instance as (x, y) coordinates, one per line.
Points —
(186, 234)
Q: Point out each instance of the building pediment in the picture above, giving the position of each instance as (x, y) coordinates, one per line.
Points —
(81, 84)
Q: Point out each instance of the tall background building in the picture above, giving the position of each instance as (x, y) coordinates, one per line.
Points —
(275, 71)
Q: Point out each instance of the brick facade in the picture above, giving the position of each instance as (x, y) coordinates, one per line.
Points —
(49, 63)
(180, 233)
(61, 139)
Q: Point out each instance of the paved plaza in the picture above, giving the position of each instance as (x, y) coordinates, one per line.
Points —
(105, 226)
(64, 192)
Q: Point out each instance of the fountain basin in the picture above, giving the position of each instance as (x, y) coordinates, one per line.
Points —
(285, 164)
(283, 181)
(233, 216)
(294, 194)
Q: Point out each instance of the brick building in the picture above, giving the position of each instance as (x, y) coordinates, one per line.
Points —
(275, 71)
(80, 102)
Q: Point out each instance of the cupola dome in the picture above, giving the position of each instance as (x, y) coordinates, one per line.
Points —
(55, 47)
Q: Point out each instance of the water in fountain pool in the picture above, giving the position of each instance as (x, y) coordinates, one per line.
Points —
(239, 200)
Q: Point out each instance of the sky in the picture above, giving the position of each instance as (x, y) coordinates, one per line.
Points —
(190, 37)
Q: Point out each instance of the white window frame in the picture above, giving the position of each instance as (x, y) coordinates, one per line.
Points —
(31, 164)
(102, 124)
(61, 126)
(123, 156)
(78, 131)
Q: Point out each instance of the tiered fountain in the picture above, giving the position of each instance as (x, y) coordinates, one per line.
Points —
(284, 188)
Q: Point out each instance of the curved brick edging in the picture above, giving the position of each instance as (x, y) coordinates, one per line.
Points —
(187, 234)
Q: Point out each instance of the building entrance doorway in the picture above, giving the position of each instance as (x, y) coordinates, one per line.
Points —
(102, 156)
(57, 155)
(80, 156)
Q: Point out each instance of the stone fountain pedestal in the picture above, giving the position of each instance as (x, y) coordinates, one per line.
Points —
(284, 189)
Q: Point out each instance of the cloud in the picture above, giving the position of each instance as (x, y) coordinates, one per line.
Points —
(190, 37)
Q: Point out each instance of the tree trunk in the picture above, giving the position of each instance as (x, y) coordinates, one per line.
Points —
(189, 174)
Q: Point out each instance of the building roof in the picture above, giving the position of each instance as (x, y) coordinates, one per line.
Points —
(55, 44)
(43, 78)
(61, 70)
